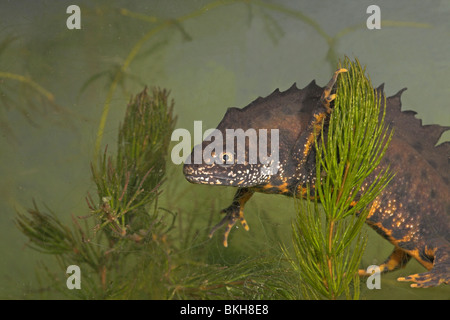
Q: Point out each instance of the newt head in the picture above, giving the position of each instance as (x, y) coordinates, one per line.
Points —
(263, 147)
(234, 156)
(253, 146)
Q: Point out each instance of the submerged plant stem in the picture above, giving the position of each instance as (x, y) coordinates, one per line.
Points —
(117, 77)
(327, 244)
(29, 82)
(129, 59)
(330, 255)
(341, 190)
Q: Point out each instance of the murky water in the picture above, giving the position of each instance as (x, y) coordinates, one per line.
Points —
(226, 54)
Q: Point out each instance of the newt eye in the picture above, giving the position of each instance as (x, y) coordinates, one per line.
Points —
(226, 157)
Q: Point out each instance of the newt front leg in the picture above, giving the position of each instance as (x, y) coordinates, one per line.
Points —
(327, 97)
(234, 213)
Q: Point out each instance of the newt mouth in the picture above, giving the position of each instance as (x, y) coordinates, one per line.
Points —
(207, 179)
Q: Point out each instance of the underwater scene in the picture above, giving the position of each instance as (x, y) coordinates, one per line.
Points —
(102, 103)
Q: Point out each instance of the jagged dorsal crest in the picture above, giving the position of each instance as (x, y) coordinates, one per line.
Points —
(289, 111)
(423, 138)
(264, 112)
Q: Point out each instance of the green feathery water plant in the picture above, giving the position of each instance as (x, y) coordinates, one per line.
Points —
(127, 220)
(126, 247)
(129, 183)
(327, 239)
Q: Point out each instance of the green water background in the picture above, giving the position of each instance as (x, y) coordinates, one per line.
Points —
(226, 56)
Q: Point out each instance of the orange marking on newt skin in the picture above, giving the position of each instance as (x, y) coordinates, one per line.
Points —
(422, 280)
(301, 191)
(394, 260)
(226, 233)
(268, 186)
(430, 251)
(373, 208)
(327, 97)
(242, 202)
(414, 253)
(317, 126)
(319, 118)
(397, 259)
(243, 221)
(283, 188)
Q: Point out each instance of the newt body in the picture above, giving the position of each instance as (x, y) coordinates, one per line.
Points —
(412, 212)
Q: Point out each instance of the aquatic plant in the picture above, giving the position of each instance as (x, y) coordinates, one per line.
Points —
(327, 239)
(124, 219)
(127, 246)
(21, 93)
